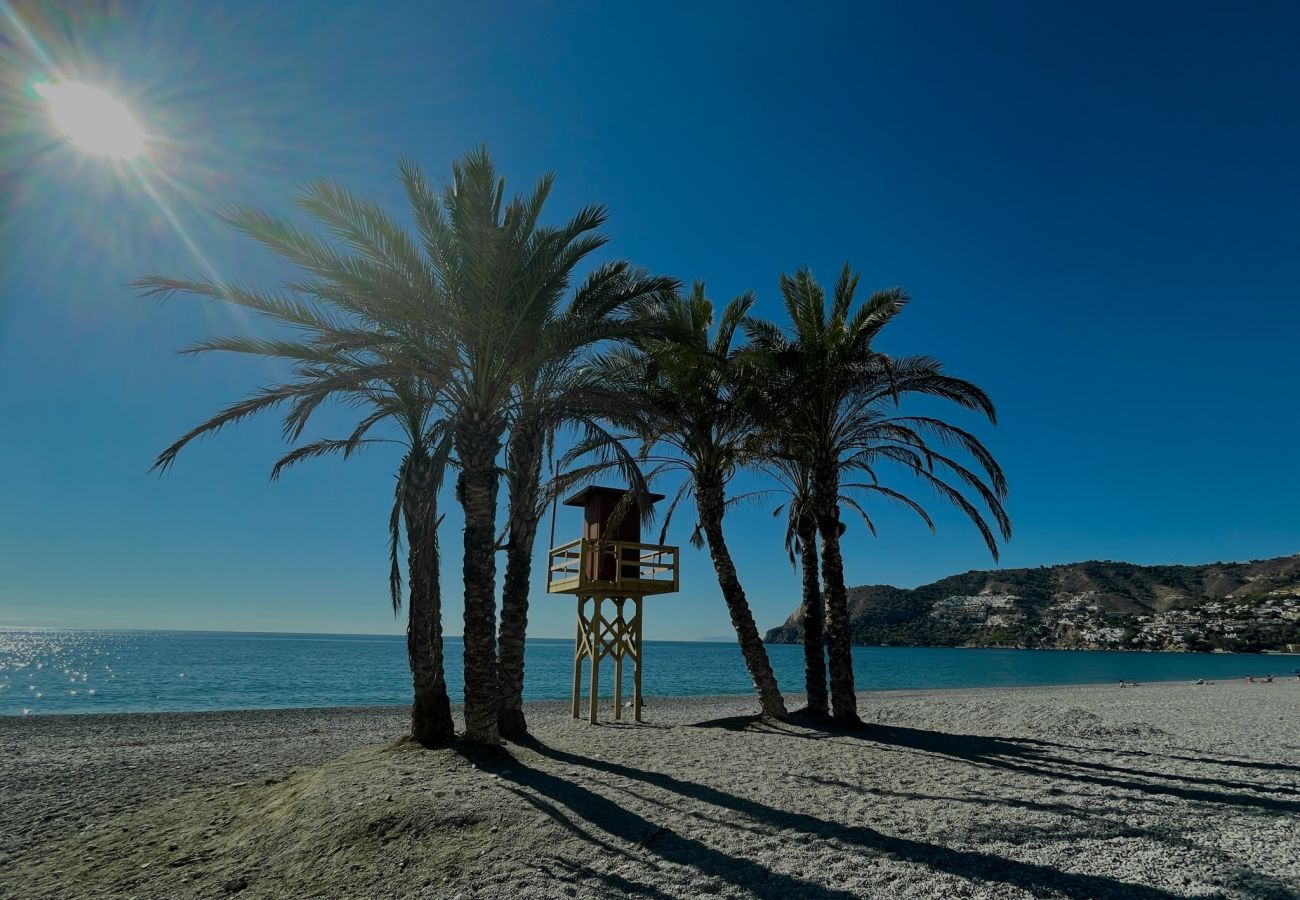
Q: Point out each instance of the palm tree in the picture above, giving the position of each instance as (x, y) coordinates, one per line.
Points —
(446, 309)
(415, 510)
(498, 276)
(349, 346)
(795, 480)
(842, 422)
(557, 393)
(418, 484)
(680, 391)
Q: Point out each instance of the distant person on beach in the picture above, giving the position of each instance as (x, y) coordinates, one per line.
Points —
(1250, 679)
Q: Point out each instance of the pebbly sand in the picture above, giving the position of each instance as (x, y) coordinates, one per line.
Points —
(1160, 791)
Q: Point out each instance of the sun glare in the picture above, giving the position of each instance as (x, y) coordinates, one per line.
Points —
(93, 120)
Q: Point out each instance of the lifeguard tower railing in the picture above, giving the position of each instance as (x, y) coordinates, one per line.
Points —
(588, 566)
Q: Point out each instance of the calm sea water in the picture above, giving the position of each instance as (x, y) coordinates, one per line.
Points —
(49, 671)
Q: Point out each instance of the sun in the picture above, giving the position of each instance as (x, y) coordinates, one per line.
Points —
(93, 119)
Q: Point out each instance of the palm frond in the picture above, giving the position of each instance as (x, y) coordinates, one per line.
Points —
(317, 449)
(828, 400)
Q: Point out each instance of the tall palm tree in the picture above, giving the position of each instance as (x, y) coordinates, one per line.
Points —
(557, 393)
(446, 309)
(843, 422)
(497, 274)
(795, 480)
(415, 512)
(348, 322)
(679, 394)
(794, 477)
(418, 484)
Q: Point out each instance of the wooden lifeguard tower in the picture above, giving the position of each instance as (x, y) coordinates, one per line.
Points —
(609, 562)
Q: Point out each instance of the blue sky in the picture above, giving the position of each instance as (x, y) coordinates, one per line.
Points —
(1094, 207)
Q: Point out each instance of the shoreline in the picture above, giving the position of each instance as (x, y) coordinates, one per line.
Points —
(1015, 792)
(565, 703)
(1153, 650)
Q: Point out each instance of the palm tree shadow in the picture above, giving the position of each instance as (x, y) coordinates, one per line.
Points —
(1046, 760)
(1037, 757)
(632, 827)
(1209, 760)
(800, 724)
(558, 795)
(1237, 763)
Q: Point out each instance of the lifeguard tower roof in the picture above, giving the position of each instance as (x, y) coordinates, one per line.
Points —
(581, 498)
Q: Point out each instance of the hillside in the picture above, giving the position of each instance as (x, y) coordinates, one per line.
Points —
(1089, 605)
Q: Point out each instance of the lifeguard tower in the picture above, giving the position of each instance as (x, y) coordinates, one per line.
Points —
(609, 562)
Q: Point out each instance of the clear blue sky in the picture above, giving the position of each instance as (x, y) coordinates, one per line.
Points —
(1095, 207)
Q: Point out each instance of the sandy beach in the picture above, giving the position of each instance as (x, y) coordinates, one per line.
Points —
(1168, 790)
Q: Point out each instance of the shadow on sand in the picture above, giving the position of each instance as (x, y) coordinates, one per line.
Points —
(1039, 757)
(589, 814)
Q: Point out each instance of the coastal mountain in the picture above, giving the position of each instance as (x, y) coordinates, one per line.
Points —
(1103, 605)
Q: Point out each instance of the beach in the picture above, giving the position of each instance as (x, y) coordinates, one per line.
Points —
(1162, 790)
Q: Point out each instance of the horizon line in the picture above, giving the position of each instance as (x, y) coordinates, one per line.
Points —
(712, 639)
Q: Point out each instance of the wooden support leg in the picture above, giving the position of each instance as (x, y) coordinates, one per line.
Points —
(620, 636)
(578, 649)
(636, 661)
(595, 658)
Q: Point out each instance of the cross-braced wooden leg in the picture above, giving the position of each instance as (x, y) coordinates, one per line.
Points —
(620, 631)
(579, 648)
(636, 661)
(596, 654)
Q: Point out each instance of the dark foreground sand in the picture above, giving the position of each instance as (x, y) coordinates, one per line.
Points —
(1153, 792)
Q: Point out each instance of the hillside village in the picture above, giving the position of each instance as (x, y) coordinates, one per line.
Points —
(1083, 622)
(1251, 606)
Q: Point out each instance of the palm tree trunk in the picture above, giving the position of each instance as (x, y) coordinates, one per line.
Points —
(524, 474)
(711, 505)
(844, 701)
(431, 722)
(476, 488)
(814, 635)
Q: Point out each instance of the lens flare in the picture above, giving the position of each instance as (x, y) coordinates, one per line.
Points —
(93, 120)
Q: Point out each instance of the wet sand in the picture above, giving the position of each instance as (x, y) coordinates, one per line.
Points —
(1153, 792)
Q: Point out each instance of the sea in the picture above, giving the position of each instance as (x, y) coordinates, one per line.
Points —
(56, 672)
